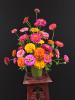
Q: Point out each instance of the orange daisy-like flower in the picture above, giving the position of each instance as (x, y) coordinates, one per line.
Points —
(14, 53)
(50, 42)
(39, 53)
(21, 62)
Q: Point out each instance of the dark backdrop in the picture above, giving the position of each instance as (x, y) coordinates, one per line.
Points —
(11, 14)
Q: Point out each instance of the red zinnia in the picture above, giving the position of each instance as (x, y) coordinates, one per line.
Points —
(52, 26)
(6, 60)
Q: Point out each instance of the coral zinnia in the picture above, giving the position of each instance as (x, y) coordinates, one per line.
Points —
(29, 60)
(59, 44)
(52, 26)
(39, 53)
(14, 53)
(35, 38)
(29, 47)
(50, 42)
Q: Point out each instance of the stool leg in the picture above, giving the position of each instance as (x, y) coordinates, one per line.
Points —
(38, 92)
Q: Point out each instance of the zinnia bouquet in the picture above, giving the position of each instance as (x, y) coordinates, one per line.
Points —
(36, 51)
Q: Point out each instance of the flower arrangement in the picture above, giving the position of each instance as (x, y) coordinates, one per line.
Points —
(36, 50)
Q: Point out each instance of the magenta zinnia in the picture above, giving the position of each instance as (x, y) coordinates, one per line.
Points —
(40, 22)
(35, 37)
(29, 60)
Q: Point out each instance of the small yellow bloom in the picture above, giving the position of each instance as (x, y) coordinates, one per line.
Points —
(39, 64)
(34, 30)
(41, 42)
(29, 47)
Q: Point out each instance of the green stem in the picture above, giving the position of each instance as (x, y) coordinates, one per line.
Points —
(36, 16)
(29, 24)
(53, 35)
(17, 35)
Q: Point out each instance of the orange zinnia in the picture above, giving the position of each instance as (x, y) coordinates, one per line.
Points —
(39, 53)
(51, 54)
(50, 42)
(14, 53)
(21, 62)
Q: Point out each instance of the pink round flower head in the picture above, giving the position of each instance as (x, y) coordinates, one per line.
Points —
(30, 60)
(59, 44)
(6, 60)
(14, 60)
(52, 26)
(40, 22)
(21, 47)
(23, 38)
(36, 10)
(47, 58)
(25, 20)
(35, 37)
(57, 53)
(47, 47)
(44, 35)
(14, 30)
(66, 58)
(24, 29)
(20, 53)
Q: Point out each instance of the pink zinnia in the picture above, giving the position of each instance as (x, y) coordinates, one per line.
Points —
(25, 20)
(35, 37)
(57, 53)
(44, 35)
(30, 60)
(21, 47)
(20, 53)
(23, 38)
(47, 47)
(6, 60)
(59, 44)
(52, 26)
(14, 60)
(66, 58)
(40, 22)
(36, 10)
(14, 30)
(47, 58)
(24, 29)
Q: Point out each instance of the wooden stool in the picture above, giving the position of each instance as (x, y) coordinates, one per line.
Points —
(37, 89)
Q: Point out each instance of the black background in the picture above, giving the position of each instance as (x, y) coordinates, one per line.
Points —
(11, 14)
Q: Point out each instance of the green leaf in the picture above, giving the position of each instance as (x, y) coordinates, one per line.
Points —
(52, 45)
(20, 43)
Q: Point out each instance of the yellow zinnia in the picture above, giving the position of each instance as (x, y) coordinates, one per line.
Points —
(29, 47)
(34, 30)
(39, 64)
(41, 42)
